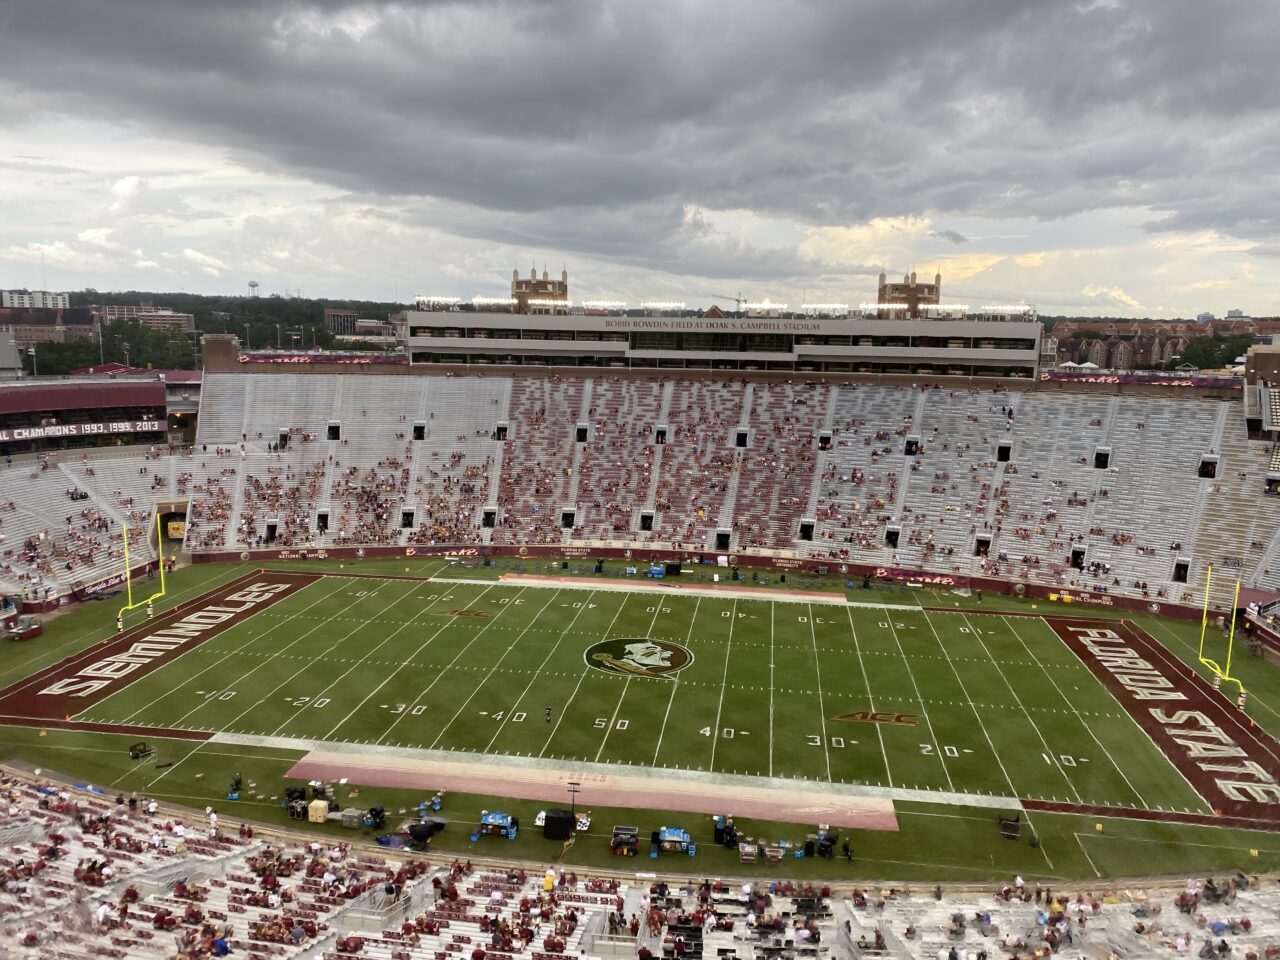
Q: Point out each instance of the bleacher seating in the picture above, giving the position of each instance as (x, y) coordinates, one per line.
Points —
(82, 874)
(418, 460)
(1032, 508)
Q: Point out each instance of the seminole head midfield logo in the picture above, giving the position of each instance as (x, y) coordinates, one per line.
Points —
(638, 657)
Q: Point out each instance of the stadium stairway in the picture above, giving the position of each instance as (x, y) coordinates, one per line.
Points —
(1237, 514)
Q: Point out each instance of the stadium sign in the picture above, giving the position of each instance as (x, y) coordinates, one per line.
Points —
(82, 429)
(709, 325)
(638, 657)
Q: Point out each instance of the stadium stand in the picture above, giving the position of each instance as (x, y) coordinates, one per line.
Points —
(998, 483)
(85, 874)
(1003, 484)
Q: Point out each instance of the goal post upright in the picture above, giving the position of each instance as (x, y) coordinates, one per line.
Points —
(1204, 616)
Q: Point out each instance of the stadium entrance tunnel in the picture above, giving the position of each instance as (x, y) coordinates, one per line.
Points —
(173, 521)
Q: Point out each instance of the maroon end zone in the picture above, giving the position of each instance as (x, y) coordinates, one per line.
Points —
(90, 676)
(1232, 763)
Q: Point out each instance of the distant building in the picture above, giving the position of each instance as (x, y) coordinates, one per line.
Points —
(909, 294)
(1204, 318)
(378, 333)
(35, 299)
(341, 321)
(1235, 315)
(1126, 344)
(540, 296)
(35, 325)
(10, 361)
(150, 316)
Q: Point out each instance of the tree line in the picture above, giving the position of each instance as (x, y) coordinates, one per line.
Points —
(259, 322)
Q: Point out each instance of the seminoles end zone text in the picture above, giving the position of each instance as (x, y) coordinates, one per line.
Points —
(100, 674)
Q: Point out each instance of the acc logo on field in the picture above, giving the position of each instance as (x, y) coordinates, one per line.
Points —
(638, 657)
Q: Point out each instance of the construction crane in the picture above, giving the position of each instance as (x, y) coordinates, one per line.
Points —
(738, 301)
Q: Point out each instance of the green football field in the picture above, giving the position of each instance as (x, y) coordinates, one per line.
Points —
(888, 696)
(474, 665)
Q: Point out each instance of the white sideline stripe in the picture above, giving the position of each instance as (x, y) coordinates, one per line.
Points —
(681, 592)
(718, 780)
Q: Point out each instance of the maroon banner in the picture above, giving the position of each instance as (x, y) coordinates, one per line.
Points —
(1158, 379)
(348, 358)
(82, 429)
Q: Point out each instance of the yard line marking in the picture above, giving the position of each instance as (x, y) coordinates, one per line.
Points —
(626, 685)
(219, 661)
(724, 682)
(772, 609)
(822, 710)
(970, 704)
(983, 727)
(1080, 843)
(657, 609)
(492, 668)
(1011, 622)
(937, 747)
(538, 671)
(447, 667)
(407, 660)
(585, 670)
(866, 682)
(675, 685)
(1018, 700)
(263, 698)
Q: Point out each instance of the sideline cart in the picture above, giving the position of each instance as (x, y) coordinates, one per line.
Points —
(625, 842)
(495, 824)
(671, 840)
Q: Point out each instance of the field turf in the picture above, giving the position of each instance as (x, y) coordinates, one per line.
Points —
(969, 702)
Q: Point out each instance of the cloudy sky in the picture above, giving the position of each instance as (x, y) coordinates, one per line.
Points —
(1092, 156)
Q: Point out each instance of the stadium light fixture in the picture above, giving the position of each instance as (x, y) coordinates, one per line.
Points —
(765, 304)
(442, 301)
(493, 301)
(662, 305)
(543, 302)
(603, 304)
(883, 306)
(825, 307)
(1005, 308)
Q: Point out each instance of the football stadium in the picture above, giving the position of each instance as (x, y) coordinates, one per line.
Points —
(460, 653)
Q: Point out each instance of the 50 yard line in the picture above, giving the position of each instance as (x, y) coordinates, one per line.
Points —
(585, 670)
(675, 685)
(657, 609)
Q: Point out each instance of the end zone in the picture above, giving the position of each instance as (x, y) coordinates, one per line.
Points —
(1230, 761)
(86, 678)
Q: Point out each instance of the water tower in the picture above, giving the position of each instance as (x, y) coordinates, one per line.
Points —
(253, 288)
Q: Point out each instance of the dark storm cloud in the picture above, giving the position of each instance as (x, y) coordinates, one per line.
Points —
(595, 126)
